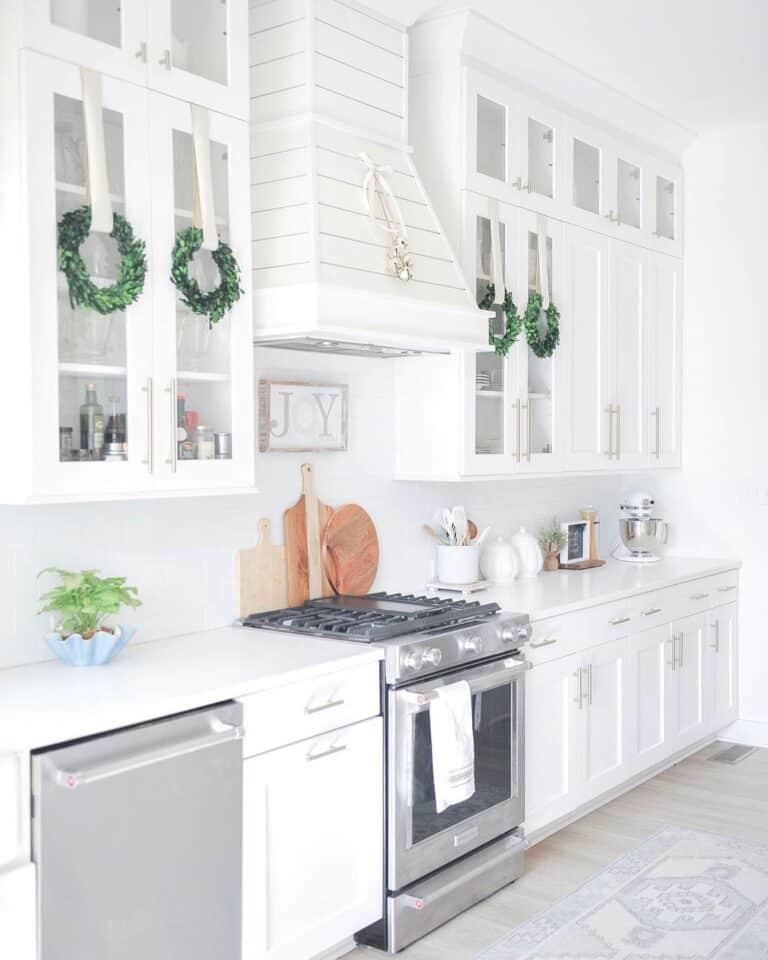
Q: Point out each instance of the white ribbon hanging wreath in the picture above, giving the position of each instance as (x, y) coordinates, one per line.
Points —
(377, 188)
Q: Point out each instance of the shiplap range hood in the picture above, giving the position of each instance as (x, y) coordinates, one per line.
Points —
(328, 102)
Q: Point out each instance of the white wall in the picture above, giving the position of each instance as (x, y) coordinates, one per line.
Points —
(718, 503)
(181, 553)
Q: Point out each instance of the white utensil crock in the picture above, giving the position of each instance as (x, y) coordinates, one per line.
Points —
(458, 564)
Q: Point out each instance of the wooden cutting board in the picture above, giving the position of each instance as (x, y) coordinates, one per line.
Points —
(304, 524)
(261, 574)
(350, 548)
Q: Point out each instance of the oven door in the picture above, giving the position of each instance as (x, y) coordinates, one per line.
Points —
(420, 839)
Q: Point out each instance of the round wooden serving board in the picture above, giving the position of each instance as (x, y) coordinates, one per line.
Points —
(350, 549)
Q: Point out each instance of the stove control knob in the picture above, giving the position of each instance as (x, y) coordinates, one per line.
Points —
(471, 644)
(433, 656)
(516, 633)
(412, 660)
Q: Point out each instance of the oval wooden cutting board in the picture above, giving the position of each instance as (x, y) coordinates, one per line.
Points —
(350, 549)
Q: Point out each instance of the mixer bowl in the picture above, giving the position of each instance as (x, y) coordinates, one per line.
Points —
(643, 535)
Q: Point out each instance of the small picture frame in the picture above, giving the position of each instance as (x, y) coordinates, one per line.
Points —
(576, 549)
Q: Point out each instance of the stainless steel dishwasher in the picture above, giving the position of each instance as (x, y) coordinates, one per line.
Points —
(137, 836)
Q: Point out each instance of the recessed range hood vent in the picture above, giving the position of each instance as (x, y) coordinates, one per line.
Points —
(328, 115)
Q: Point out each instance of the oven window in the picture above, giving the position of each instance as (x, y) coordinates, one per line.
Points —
(494, 713)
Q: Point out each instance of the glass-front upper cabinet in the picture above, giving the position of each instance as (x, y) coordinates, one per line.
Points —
(538, 375)
(204, 369)
(197, 51)
(92, 432)
(664, 206)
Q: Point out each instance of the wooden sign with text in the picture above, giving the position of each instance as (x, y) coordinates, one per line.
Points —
(302, 417)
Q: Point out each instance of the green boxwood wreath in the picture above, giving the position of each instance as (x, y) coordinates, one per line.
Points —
(501, 345)
(72, 230)
(215, 303)
(542, 346)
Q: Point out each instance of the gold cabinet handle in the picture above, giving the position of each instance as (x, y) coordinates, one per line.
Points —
(579, 698)
(325, 753)
(650, 611)
(618, 431)
(527, 408)
(149, 459)
(699, 596)
(673, 662)
(165, 60)
(656, 414)
(141, 53)
(519, 427)
(716, 645)
(171, 389)
(610, 411)
(589, 684)
(725, 589)
(323, 706)
(546, 642)
(618, 620)
(681, 637)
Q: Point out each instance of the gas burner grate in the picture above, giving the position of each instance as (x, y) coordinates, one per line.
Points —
(374, 617)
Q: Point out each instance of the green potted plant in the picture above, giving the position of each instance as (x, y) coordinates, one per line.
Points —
(551, 540)
(82, 602)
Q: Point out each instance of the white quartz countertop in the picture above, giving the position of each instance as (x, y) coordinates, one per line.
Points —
(51, 702)
(552, 594)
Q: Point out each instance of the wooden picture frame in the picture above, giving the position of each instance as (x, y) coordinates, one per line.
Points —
(303, 417)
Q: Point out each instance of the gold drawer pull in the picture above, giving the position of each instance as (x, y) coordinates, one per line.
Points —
(618, 620)
(651, 611)
(699, 596)
(323, 706)
(543, 643)
(725, 589)
(325, 753)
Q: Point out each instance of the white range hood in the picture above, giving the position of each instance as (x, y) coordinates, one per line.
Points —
(328, 115)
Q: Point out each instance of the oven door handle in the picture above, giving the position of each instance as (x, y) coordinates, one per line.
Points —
(511, 667)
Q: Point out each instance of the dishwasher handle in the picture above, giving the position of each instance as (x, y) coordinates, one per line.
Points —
(71, 779)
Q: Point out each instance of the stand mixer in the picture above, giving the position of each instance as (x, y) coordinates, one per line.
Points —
(641, 534)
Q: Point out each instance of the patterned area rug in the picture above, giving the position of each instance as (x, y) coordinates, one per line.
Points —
(682, 895)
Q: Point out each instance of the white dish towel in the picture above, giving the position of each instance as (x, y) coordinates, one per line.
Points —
(453, 744)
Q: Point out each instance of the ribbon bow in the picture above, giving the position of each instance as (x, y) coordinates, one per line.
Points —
(376, 188)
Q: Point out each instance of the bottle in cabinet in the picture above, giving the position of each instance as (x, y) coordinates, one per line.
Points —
(92, 424)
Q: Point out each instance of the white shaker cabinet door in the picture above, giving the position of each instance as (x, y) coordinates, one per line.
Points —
(720, 661)
(685, 687)
(587, 297)
(313, 843)
(554, 740)
(18, 913)
(663, 351)
(607, 733)
(648, 653)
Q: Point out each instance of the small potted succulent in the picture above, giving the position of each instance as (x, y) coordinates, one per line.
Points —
(551, 540)
(81, 604)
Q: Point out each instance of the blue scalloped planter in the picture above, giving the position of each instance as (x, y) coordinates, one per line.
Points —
(100, 649)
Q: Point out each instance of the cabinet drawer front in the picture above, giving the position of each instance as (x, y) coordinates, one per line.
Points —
(557, 637)
(709, 592)
(308, 708)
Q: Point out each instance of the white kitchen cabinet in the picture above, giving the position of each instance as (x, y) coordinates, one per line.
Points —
(18, 913)
(198, 52)
(606, 721)
(720, 657)
(313, 843)
(139, 359)
(552, 739)
(649, 673)
(663, 322)
(685, 706)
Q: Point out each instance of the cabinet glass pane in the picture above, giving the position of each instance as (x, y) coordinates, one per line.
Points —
(489, 403)
(630, 193)
(491, 138)
(98, 19)
(540, 374)
(204, 409)
(484, 264)
(199, 38)
(92, 350)
(665, 208)
(586, 177)
(541, 158)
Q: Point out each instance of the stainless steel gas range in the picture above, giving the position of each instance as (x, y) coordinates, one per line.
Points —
(437, 864)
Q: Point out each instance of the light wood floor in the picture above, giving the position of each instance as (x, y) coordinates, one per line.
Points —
(695, 793)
